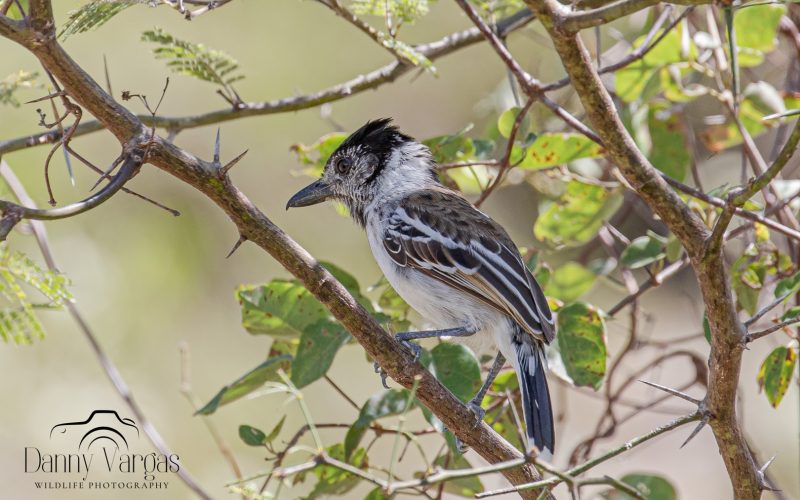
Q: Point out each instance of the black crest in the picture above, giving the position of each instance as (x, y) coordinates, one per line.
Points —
(379, 137)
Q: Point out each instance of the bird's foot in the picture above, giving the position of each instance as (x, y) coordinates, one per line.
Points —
(382, 373)
(415, 349)
(475, 408)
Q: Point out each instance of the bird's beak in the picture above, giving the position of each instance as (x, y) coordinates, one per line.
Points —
(314, 193)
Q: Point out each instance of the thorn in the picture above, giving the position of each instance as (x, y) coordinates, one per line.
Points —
(46, 98)
(679, 394)
(762, 477)
(68, 161)
(767, 464)
(242, 239)
(216, 149)
(106, 173)
(697, 429)
(232, 163)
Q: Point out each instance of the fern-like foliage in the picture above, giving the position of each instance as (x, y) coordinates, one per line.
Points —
(401, 11)
(94, 14)
(14, 82)
(18, 320)
(196, 60)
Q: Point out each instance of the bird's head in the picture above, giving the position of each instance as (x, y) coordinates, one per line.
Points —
(374, 161)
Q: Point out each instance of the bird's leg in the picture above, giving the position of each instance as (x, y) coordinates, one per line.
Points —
(405, 337)
(475, 403)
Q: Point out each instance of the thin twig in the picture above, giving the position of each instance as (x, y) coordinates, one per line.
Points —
(580, 469)
(110, 369)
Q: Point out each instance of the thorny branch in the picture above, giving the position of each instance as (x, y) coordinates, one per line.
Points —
(563, 23)
(253, 225)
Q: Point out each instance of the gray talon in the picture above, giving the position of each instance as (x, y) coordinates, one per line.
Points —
(414, 348)
(382, 372)
(461, 446)
(477, 410)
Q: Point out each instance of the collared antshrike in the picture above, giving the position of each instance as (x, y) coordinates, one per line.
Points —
(453, 264)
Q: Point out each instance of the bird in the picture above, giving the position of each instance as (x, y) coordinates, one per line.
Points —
(452, 263)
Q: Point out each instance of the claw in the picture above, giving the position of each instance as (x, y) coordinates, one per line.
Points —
(479, 413)
(476, 409)
(414, 348)
(382, 372)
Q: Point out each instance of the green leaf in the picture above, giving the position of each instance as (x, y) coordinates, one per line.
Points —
(791, 313)
(706, 328)
(282, 309)
(631, 81)
(376, 494)
(93, 15)
(643, 251)
(471, 179)
(749, 274)
(18, 320)
(194, 59)
(384, 404)
(316, 155)
(332, 481)
(756, 27)
(246, 384)
(788, 286)
(674, 248)
(319, 344)
(669, 151)
(552, 149)
(641, 79)
(275, 430)
(505, 122)
(407, 52)
(13, 82)
(458, 369)
(776, 373)
(406, 11)
(569, 281)
(651, 486)
(582, 342)
(252, 436)
(450, 148)
(578, 215)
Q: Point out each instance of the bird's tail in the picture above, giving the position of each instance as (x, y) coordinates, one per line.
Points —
(535, 395)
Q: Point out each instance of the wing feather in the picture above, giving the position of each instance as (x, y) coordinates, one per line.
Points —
(444, 236)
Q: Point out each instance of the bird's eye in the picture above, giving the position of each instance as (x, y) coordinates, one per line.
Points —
(343, 165)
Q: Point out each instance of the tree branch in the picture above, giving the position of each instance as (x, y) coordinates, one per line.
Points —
(576, 21)
(252, 224)
(580, 469)
(774, 328)
(374, 79)
(13, 213)
(727, 330)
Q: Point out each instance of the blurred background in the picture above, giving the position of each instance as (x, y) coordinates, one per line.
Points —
(148, 281)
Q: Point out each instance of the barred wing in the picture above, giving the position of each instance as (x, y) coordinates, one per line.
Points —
(442, 235)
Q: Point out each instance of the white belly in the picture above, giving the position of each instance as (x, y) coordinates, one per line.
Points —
(444, 307)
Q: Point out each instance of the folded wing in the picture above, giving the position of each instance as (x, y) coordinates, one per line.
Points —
(442, 235)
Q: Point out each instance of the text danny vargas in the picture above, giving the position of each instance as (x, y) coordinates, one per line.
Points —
(102, 458)
(109, 460)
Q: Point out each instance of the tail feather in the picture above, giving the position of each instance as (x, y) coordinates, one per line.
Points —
(535, 396)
